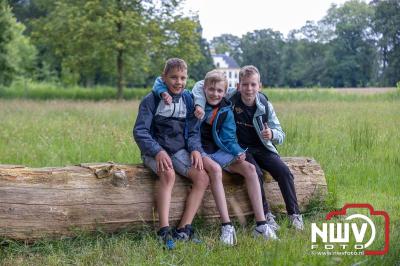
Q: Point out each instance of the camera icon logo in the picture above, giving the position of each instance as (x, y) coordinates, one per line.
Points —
(351, 234)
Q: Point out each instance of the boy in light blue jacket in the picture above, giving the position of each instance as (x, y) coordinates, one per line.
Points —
(258, 130)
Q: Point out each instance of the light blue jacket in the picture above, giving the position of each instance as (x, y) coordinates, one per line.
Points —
(278, 135)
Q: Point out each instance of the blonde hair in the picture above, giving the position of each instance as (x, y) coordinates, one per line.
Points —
(174, 63)
(248, 71)
(215, 76)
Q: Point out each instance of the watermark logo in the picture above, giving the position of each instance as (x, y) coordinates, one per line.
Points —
(354, 234)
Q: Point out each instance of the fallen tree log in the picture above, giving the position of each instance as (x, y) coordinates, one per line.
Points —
(61, 201)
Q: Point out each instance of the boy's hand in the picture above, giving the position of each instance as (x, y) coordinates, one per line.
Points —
(196, 159)
(198, 112)
(241, 157)
(166, 97)
(266, 132)
(163, 161)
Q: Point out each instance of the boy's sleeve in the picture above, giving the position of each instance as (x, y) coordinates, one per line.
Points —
(159, 87)
(228, 135)
(278, 135)
(198, 93)
(230, 92)
(194, 135)
(141, 131)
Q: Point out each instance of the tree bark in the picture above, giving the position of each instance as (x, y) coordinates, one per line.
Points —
(120, 66)
(61, 201)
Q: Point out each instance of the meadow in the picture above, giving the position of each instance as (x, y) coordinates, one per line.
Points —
(354, 137)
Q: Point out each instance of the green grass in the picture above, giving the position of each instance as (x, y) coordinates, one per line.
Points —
(355, 140)
(50, 91)
(23, 89)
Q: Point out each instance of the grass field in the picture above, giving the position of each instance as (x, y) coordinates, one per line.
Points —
(354, 138)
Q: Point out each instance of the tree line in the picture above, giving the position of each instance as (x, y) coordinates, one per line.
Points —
(356, 44)
(125, 42)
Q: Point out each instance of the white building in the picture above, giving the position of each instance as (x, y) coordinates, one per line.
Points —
(228, 65)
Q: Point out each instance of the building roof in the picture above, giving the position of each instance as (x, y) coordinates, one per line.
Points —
(229, 60)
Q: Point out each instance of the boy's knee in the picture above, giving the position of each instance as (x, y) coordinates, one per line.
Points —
(215, 173)
(201, 180)
(167, 177)
(251, 168)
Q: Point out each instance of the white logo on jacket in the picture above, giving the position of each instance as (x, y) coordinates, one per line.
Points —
(177, 110)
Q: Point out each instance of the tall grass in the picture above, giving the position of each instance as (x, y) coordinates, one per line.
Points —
(51, 91)
(356, 141)
(23, 89)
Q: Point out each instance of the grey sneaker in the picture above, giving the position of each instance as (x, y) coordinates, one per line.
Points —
(228, 235)
(265, 231)
(297, 221)
(270, 218)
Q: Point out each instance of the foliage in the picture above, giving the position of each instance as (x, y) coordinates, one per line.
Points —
(125, 43)
(263, 49)
(124, 40)
(386, 24)
(228, 43)
(24, 89)
(351, 53)
(17, 55)
(198, 70)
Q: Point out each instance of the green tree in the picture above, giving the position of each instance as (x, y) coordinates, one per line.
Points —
(303, 62)
(27, 11)
(124, 40)
(227, 43)
(198, 70)
(387, 25)
(263, 49)
(17, 55)
(351, 59)
(178, 36)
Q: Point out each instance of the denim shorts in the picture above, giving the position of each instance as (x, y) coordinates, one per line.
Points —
(180, 161)
(223, 158)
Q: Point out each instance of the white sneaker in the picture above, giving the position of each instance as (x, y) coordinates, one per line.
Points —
(270, 218)
(297, 221)
(265, 231)
(228, 235)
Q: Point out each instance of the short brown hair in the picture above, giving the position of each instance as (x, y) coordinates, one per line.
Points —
(247, 71)
(174, 63)
(215, 76)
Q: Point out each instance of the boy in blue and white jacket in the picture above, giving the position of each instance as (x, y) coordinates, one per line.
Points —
(219, 142)
(258, 130)
(169, 139)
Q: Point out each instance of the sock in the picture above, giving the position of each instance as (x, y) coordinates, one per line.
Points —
(261, 223)
(182, 229)
(228, 223)
(164, 229)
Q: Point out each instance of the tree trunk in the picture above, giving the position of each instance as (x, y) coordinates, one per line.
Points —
(60, 201)
(120, 66)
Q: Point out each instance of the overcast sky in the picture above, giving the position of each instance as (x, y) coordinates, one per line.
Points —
(238, 17)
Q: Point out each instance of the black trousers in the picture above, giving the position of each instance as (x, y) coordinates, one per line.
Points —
(262, 158)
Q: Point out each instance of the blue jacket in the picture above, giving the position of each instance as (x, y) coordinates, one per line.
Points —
(225, 134)
(224, 128)
(154, 131)
(264, 108)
